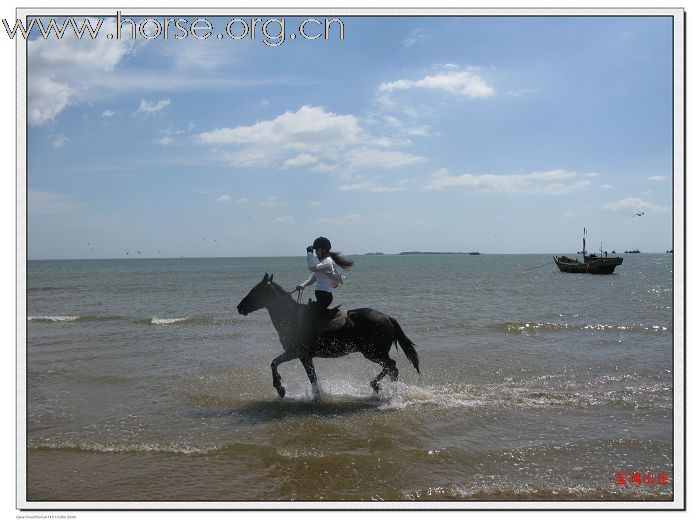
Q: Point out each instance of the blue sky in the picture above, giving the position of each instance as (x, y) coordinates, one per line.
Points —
(496, 134)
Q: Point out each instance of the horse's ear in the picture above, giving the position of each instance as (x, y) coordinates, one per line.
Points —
(270, 277)
(264, 279)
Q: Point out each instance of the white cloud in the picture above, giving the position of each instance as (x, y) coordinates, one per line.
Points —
(519, 92)
(148, 107)
(369, 186)
(46, 98)
(464, 83)
(164, 140)
(300, 160)
(322, 167)
(62, 74)
(393, 121)
(365, 158)
(108, 113)
(224, 199)
(417, 35)
(270, 202)
(309, 128)
(353, 218)
(420, 131)
(656, 178)
(243, 158)
(287, 219)
(633, 204)
(326, 143)
(387, 142)
(73, 54)
(561, 189)
(629, 203)
(547, 182)
(60, 141)
(605, 186)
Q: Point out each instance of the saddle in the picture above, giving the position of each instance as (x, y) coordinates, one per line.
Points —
(332, 319)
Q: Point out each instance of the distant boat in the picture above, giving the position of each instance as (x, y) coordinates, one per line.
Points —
(632, 251)
(474, 253)
(669, 251)
(591, 263)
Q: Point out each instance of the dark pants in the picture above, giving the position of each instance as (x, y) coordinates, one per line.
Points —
(323, 299)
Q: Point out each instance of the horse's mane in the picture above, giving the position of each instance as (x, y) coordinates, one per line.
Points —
(277, 287)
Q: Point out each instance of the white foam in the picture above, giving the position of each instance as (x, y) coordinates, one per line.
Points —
(168, 320)
(54, 318)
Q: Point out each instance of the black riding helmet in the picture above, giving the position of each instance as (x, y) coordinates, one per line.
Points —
(322, 242)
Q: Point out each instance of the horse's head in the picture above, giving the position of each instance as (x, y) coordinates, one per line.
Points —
(259, 297)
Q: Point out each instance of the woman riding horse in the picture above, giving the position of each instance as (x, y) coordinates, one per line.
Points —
(365, 330)
(325, 274)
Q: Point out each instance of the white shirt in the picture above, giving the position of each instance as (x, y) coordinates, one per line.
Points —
(324, 274)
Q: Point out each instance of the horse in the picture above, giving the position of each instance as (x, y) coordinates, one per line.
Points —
(365, 330)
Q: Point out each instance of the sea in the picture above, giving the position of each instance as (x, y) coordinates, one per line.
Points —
(145, 385)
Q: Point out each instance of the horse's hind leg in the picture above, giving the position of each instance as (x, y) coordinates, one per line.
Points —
(388, 367)
(308, 363)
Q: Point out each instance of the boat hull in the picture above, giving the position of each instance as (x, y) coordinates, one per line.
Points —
(597, 265)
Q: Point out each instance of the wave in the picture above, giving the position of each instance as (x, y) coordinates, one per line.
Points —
(169, 320)
(509, 396)
(539, 393)
(486, 490)
(187, 320)
(53, 318)
(70, 318)
(185, 447)
(528, 328)
(155, 320)
(628, 391)
(121, 447)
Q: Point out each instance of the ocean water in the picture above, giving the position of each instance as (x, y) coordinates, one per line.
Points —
(145, 384)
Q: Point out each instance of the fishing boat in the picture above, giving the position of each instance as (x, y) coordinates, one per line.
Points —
(598, 264)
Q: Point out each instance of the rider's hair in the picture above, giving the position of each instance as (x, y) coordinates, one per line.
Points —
(341, 260)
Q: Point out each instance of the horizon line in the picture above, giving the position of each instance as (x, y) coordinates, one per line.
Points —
(368, 254)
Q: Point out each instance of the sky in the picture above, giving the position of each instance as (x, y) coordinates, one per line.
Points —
(490, 134)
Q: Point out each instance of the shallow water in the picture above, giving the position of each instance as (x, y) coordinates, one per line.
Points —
(144, 384)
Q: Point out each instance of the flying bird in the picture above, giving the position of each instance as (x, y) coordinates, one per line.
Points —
(638, 214)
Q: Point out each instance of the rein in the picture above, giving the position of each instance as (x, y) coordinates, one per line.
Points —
(287, 294)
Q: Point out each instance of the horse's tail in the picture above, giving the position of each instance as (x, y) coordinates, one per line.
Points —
(406, 344)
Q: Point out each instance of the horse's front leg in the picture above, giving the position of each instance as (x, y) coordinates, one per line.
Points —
(308, 363)
(276, 378)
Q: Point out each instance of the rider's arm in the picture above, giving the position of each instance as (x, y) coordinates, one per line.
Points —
(310, 280)
(325, 266)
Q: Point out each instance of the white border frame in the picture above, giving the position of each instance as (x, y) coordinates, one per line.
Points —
(679, 328)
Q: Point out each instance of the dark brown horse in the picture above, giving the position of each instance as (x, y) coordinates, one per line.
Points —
(364, 330)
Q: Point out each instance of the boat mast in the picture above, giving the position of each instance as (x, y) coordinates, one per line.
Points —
(584, 243)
